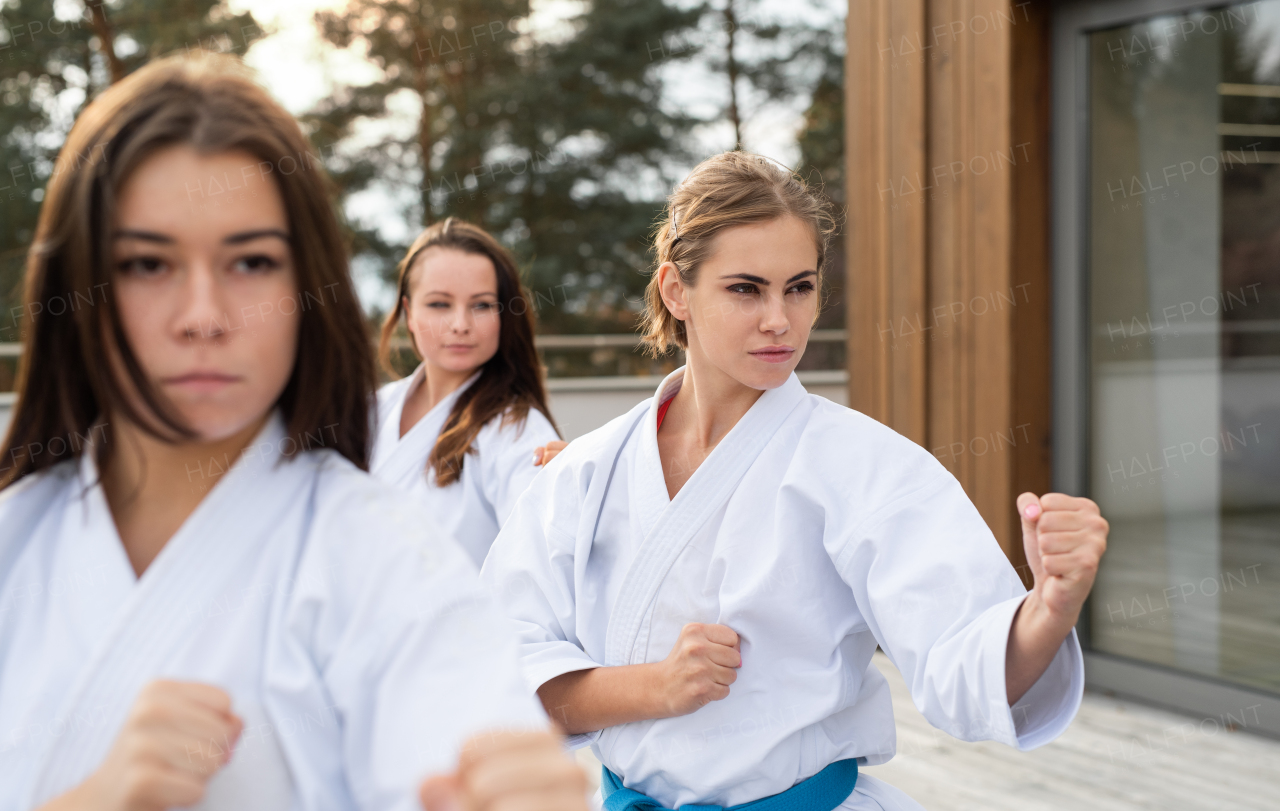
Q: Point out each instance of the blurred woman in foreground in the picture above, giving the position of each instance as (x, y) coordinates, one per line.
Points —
(255, 621)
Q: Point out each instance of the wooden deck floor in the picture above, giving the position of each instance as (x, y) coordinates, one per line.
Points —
(1117, 756)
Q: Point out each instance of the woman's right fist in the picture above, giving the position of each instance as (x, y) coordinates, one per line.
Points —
(176, 737)
(701, 666)
(503, 771)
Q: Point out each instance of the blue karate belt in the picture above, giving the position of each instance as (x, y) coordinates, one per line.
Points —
(825, 791)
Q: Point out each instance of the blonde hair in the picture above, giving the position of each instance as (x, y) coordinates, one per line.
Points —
(725, 190)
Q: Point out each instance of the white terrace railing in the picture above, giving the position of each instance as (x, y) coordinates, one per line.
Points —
(628, 340)
(582, 404)
(621, 341)
(7, 398)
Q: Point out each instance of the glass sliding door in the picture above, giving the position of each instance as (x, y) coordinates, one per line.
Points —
(1183, 350)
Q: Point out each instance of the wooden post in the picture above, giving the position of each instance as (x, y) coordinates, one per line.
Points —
(1033, 338)
(947, 145)
(885, 148)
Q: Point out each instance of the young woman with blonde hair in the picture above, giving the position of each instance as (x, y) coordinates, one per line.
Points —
(206, 599)
(467, 431)
(700, 584)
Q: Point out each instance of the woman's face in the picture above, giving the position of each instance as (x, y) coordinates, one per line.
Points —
(206, 287)
(753, 301)
(452, 309)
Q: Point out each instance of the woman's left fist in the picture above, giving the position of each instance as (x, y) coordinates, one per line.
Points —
(1064, 538)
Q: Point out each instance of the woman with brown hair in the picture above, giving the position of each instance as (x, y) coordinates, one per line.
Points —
(468, 430)
(205, 596)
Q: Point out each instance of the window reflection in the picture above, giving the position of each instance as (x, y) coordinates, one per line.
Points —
(1184, 277)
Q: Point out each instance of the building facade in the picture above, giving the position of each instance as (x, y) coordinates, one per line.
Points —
(1064, 274)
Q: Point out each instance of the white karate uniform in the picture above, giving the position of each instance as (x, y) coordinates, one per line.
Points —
(359, 650)
(474, 507)
(815, 533)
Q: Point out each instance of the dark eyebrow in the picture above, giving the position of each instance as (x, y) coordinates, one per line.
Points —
(234, 239)
(757, 280)
(249, 236)
(146, 236)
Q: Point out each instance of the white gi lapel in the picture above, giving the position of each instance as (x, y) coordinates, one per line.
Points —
(24, 505)
(407, 456)
(228, 529)
(706, 491)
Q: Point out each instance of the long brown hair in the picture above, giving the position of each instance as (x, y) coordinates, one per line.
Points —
(511, 381)
(725, 190)
(64, 380)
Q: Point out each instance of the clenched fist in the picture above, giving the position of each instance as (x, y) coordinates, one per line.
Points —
(509, 770)
(176, 737)
(1064, 538)
(701, 666)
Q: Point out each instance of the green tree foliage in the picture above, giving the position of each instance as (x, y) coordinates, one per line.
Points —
(761, 56)
(48, 64)
(50, 67)
(821, 142)
(560, 147)
(565, 145)
(751, 54)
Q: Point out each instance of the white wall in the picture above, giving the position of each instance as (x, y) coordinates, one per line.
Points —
(7, 399)
(584, 404)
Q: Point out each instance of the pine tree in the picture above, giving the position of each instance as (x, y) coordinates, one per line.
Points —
(760, 58)
(48, 64)
(50, 67)
(456, 60)
(560, 148)
(821, 141)
(588, 214)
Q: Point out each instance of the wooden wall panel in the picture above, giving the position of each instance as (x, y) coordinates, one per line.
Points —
(1033, 341)
(885, 143)
(990, 484)
(951, 243)
(948, 270)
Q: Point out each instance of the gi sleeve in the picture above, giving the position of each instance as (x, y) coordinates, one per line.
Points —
(507, 459)
(412, 652)
(530, 569)
(940, 597)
